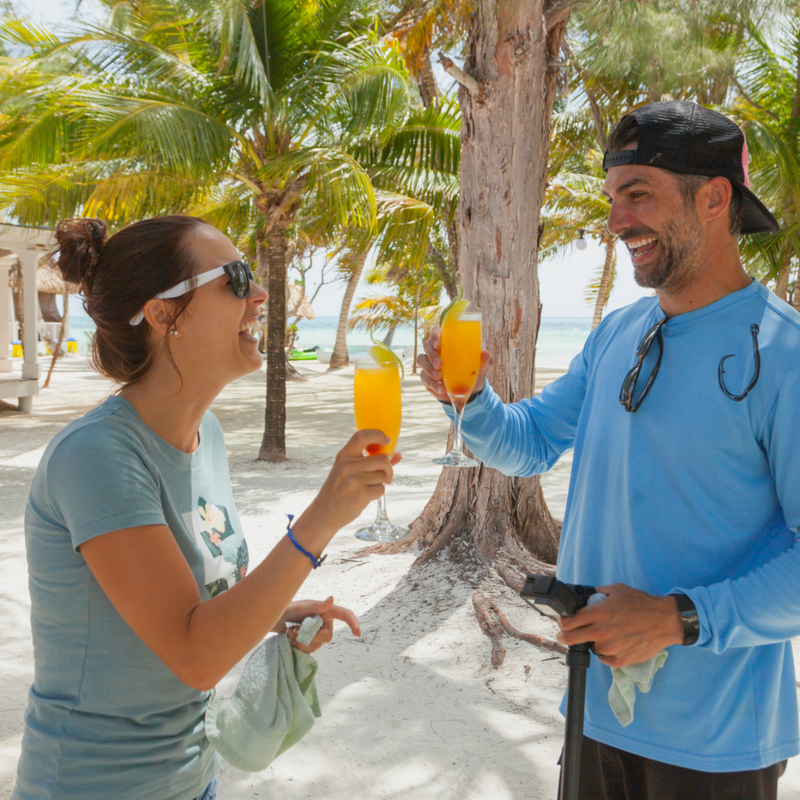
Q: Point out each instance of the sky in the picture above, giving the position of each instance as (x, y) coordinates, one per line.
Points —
(563, 279)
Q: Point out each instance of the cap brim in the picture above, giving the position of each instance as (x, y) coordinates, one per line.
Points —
(756, 218)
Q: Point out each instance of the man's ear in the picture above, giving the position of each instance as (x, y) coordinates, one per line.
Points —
(715, 199)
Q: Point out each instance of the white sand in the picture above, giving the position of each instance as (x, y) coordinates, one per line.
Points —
(412, 709)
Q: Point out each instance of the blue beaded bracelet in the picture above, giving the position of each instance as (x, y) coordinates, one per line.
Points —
(316, 562)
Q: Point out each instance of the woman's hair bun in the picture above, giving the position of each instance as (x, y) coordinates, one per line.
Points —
(80, 242)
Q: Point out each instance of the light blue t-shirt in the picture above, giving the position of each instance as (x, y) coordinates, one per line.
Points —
(106, 718)
(694, 492)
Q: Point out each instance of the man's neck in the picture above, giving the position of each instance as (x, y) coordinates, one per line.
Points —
(722, 274)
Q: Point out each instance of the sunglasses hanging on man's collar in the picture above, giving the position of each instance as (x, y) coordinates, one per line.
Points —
(627, 395)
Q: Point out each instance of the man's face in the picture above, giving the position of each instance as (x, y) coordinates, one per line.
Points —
(657, 223)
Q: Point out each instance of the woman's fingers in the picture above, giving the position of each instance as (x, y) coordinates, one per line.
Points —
(329, 612)
(361, 440)
(344, 615)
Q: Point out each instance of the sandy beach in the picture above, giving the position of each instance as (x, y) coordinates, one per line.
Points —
(413, 709)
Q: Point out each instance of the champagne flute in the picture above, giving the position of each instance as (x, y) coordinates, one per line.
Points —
(376, 392)
(460, 352)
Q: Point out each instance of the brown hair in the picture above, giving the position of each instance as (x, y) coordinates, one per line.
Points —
(626, 132)
(118, 276)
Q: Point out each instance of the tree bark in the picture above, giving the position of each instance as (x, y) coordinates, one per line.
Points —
(446, 276)
(416, 321)
(605, 282)
(480, 514)
(426, 81)
(340, 358)
(273, 444)
(782, 285)
(57, 348)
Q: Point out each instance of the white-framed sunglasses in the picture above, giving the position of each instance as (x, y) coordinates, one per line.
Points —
(238, 271)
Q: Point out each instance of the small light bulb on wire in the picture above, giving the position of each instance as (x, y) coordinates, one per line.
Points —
(581, 243)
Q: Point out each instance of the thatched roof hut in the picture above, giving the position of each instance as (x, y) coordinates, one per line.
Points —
(49, 283)
(48, 277)
(298, 305)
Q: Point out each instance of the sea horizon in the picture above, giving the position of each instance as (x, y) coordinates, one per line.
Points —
(560, 338)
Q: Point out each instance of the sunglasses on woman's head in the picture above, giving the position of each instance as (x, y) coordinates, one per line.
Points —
(239, 273)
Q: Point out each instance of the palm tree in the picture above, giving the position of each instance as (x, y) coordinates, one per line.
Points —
(245, 111)
(620, 56)
(768, 109)
(574, 204)
(415, 301)
(415, 173)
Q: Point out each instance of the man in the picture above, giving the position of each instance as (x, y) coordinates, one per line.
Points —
(684, 503)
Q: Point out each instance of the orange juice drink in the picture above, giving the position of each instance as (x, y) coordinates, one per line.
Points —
(461, 356)
(377, 401)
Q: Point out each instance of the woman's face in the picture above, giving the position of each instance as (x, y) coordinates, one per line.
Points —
(215, 329)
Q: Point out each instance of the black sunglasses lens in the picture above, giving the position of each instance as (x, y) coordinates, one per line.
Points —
(240, 274)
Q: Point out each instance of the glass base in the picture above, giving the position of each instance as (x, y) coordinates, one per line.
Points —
(455, 458)
(382, 531)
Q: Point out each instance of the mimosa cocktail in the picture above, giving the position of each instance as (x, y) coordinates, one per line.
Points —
(460, 351)
(376, 392)
(377, 401)
(461, 356)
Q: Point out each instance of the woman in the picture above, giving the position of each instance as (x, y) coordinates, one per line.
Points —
(141, 598)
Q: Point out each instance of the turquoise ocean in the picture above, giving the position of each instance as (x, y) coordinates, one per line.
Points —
(560, 338)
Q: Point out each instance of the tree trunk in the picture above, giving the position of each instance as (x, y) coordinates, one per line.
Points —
(426, 81)
(782, 285)
(262, 276)
(389, 338)
(273, 444)
(795, 300)
(605, 282)
(501, 522)
(416, 320)
(446, 275)
(57, 348)
(356, 262)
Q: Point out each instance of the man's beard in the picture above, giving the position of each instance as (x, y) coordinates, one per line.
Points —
(678, 265)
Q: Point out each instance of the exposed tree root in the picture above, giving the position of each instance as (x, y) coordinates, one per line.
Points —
(532, 638)
(494, 624)
(491, 626)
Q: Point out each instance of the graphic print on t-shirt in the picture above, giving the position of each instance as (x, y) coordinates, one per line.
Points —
(225, 555)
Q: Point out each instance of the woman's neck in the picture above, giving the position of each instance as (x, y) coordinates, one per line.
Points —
(171, 408)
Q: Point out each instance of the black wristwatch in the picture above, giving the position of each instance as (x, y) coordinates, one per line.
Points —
(689, 619)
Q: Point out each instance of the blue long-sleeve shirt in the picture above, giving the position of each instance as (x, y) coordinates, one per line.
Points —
(694, 492)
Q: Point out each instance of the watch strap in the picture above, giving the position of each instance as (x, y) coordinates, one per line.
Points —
(689, 619)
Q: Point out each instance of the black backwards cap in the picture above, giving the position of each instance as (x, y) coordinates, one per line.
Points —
(686, 138)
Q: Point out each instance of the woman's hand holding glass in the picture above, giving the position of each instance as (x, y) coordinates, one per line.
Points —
(355, 480)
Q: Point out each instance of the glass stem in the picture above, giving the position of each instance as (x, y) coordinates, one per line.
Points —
(458, 445)
(382, 510)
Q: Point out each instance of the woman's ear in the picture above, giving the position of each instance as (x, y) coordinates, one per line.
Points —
(158, 316)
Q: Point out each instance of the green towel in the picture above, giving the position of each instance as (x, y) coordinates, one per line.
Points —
(625, 680)
(622, 694)
(275, 703)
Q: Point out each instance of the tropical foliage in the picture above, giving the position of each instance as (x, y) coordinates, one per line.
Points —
(245, 112)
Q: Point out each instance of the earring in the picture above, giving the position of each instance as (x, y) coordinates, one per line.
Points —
(174, 333)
